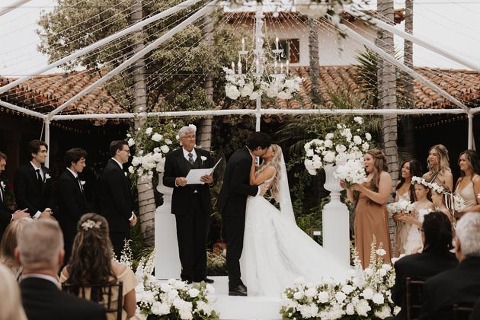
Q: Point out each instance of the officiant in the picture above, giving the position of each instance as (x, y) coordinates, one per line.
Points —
(191, 204)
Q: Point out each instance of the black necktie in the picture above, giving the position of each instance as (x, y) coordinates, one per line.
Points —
(190, 158)
(39, 176)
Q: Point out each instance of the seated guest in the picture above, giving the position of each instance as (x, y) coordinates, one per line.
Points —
(40, 252)
(462, 283)
(10, 304)
(475, 315)
(91, 262)
(9, 243)
(435, 257)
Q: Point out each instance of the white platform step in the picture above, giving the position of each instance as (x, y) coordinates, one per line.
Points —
(240, 308)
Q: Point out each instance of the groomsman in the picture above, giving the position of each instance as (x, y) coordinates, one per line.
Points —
(6, 214)
(72, 203)
(191, 204)
(117, 201)
(33, 183)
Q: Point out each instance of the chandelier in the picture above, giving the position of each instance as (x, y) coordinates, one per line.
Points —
(259, 72)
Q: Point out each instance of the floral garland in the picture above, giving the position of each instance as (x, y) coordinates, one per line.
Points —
(152, 142)
(248, 85)
(366, 295)
(455, 202)
(338, 147)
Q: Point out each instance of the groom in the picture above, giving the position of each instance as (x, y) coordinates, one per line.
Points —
(232, 203)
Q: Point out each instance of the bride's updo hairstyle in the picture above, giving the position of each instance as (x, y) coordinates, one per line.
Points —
(92, 253)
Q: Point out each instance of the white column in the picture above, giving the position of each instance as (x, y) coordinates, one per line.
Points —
(167, 261)
(335, 220)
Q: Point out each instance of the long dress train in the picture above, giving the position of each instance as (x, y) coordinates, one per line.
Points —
(277, 252)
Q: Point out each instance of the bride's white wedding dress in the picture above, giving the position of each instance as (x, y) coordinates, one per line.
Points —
(276, 252)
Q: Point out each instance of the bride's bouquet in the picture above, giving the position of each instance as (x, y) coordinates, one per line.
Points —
(352, 171)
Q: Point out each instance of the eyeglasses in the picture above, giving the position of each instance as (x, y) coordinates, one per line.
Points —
(189, 137)
(127, 151)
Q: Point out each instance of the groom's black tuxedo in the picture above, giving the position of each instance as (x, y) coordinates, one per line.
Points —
(42, 299)
(5, 212)
(30, 192)
(71, 206)
(232, 203)
(191, 205)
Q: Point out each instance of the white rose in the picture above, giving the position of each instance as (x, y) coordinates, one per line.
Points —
(347, 289)
(362, 308)
(168, 141)
(329, 156)
(328, 143)
(157, 137)
(323, 297)
(340, 296)
(378, 298)
(148, 131)
(232, 92)
(298, 295)
(358, 120)
(367, 293)
(381, 252)
(350, 309)
(131, 142)
(193, 292)
(165, 149)
(368, 136)
(357, 140)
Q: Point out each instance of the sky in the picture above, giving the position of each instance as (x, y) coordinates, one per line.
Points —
(450, 24)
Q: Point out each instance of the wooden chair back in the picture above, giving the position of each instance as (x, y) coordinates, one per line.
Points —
(100, 293)
(414, 302)
(462, 310)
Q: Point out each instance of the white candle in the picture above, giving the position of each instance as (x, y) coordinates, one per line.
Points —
(233, 67)
(243, 44)
(281, 67)
(257, 63)
(276, 43)
(275, 67)
(239, 67)
(287, 66)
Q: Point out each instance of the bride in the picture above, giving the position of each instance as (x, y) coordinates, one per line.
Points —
(276, 252)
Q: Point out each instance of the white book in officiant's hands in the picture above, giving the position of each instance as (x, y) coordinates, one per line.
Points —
(194, 175)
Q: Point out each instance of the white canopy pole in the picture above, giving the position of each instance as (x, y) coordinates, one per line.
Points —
(262, 111)
(401, 66)
(470, 131)
(22, 110)
(13, 6)
(47, 140)
(414, 39)
(207, 9)
(78, 53)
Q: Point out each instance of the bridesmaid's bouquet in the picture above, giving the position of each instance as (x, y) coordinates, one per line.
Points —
(352, 171)
(401, 206)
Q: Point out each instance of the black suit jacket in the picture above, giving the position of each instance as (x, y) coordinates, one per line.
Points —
(460, 284)
(475, 315)
(71, 204)
(31, 193)
(117, 202)
(5, 213)
(418, 266)
(176, 165)
(236, 184)
(42, 300)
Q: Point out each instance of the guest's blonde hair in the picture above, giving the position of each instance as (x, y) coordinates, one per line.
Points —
(9, 243)
(10, 304)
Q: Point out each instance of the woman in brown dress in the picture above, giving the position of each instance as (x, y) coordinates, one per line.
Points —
(371, 215)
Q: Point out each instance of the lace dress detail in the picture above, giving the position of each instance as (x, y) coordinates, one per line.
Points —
(468, 194)
(414, 241)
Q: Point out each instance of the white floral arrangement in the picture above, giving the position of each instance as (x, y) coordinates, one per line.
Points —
(352, 171)
(153, 142)
(401, 206)
(457, 202)
(339, 146)
(172, 299)
(366, 295)
(249, 86)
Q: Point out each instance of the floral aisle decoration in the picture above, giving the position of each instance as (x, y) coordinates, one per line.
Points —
(343, 144)
(366, 295)
(171, 299)
(152, 142)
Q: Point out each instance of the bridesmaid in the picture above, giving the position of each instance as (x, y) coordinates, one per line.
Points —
(439, 168)
(468, 185)
(371, 215)
(404, 190)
